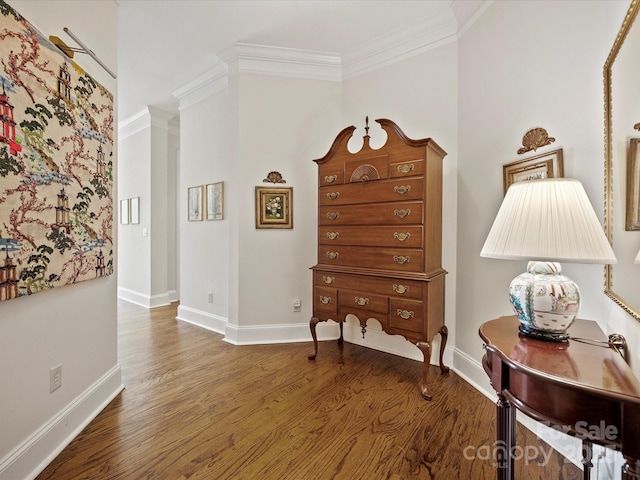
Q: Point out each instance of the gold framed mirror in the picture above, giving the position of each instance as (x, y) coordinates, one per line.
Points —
(621, 101)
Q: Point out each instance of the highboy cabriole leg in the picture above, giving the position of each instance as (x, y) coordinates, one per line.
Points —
(444, 334)
(425, 347)
(312, 325)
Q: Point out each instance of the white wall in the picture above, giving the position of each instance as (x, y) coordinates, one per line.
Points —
(134, 250)
(283, 125)
(253, 124)
(147, 263)
(205, 157)
(75, 325)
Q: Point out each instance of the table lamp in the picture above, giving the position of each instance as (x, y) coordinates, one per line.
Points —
(547, 221)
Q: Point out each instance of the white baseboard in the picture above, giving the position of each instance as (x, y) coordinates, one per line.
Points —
(173, 296)
(202, 319)
(31, 457)
(267, 334)
(145, 300)
(472, 372)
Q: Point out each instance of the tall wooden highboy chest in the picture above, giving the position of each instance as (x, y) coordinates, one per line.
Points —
(380, 239)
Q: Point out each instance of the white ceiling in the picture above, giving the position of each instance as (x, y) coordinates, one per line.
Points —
(163, 45)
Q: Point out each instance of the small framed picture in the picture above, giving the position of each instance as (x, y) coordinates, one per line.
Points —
(546, 165)
(274, 207)
(633, 185)
(194, 204)
(134, 210)
(124, 211)
(215, 201)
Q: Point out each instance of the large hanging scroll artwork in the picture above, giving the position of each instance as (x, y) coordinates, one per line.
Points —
(56, 166)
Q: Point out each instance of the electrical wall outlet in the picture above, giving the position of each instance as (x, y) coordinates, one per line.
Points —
(55, 378)
(210, 297)
(296, 305)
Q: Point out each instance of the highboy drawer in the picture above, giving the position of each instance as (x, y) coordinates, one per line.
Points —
(332, 178)
(363, 300)
(325, 299)
(394, 190)
(397, 259)
(401, 213)
(385, 286)
(406, 315)
(377, 236)
(406, 169)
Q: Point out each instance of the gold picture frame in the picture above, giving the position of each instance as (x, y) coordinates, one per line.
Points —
(546, 165)
(633, 185)
(214, 200)
(274, 207)
(194, 204)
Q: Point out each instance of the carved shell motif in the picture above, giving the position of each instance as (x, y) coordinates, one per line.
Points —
(534, 139)
(274, 177)
(364, 173)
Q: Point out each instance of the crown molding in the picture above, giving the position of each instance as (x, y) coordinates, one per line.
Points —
(160, 118)
(134, 124)
(421, 36)
(468, 11)
(148, 117)
(209, 83)
(283, 62)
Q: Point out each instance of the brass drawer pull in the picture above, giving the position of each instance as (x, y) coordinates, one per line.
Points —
(401, 236)
(402, 189)
(333, 195)
(332, 235)
(400, 259)
(325, 300)
(328, 280)
(404, 314)
(330, 178)
(332, 255)
(362, 301)
(401, 213)
(332, 215)
(406, 168)
(400, 288)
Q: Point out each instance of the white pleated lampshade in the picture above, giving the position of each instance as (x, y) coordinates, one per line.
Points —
(550, 219)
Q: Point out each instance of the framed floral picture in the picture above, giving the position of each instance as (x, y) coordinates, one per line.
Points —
(546, 165)
(274, 207)
(194, 204)
(215, 201)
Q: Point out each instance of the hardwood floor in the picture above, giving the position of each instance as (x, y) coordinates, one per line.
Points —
(197, 407)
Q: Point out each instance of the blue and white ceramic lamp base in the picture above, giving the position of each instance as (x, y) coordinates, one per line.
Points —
(545, 301)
